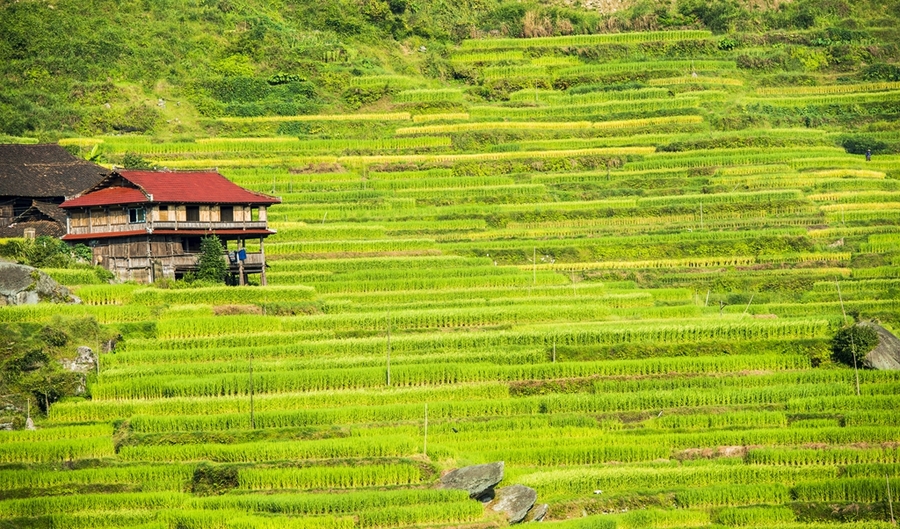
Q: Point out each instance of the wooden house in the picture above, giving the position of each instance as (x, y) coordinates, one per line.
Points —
(147, 225)
(34, 180)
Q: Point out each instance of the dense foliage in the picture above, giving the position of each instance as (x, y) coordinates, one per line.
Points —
(31, 375)
(49, 252)
(155, 66)
(851, 344)
(211, 263)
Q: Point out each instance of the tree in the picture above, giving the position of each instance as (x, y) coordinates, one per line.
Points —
(856, 340)
(212, 260)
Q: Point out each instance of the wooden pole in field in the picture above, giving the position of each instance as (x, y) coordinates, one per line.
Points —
(852, 343)
(389, 348)
(748, 305)
(890, 501)
(252, 418)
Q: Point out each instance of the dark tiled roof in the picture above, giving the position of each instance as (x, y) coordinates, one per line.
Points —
(41, 227)
(44, 210)
(43, 171)
(45, 217)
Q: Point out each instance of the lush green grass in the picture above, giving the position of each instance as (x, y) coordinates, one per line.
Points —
(617, 277)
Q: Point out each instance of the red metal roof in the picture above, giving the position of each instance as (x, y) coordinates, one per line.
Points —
(132, 233)
(179, 187)
(107, 197)
(203, 187)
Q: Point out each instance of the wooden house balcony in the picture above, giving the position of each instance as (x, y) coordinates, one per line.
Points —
(151, 226)
(209, 226)
(255, 261)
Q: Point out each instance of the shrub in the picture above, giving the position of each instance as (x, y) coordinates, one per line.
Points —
(133, 160)
(210, 480)
(212, 260)
(856, 339)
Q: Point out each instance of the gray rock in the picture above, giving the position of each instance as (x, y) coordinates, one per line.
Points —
(515, 501)
(84, 363)
(537, 513)
(24, 285)
(478, 480)
(886, 355)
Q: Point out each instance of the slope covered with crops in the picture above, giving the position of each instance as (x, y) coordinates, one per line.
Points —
(618, 269)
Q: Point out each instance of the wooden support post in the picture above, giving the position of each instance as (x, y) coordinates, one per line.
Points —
(262, 254)
(852, 344)
(240, 263)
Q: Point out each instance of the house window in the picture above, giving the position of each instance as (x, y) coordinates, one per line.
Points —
(193, 213)
(226, 213)
(136, 215)
(164, 213)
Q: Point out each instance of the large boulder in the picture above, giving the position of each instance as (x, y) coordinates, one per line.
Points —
(515, 501)
(24, 285)
(478, 480)
(886, 354)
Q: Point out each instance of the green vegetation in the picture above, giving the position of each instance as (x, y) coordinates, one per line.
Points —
(212, 266)
(852, 344)
(32, 376)
(45, 252)
(612, 250)
(252, 59)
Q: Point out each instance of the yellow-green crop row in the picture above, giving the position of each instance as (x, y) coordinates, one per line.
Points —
(584, 40)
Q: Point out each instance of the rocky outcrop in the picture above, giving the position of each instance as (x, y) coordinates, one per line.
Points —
(515, 501)
(24, 285)
(83, 363)
(478, 480)
(886, 355)
(537, 513)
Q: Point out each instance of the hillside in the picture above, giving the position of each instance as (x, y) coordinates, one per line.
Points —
(165, 68)
(613, 260)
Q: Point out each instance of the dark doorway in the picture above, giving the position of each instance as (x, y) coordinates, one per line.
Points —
(190, 244)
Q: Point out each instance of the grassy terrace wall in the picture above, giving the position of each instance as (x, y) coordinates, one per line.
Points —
(619, 277)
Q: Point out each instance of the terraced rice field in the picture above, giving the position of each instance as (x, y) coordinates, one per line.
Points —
(634, 318)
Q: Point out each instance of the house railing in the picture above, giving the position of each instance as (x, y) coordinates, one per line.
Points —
(168, 225)
(180, 261)
(204, 225)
